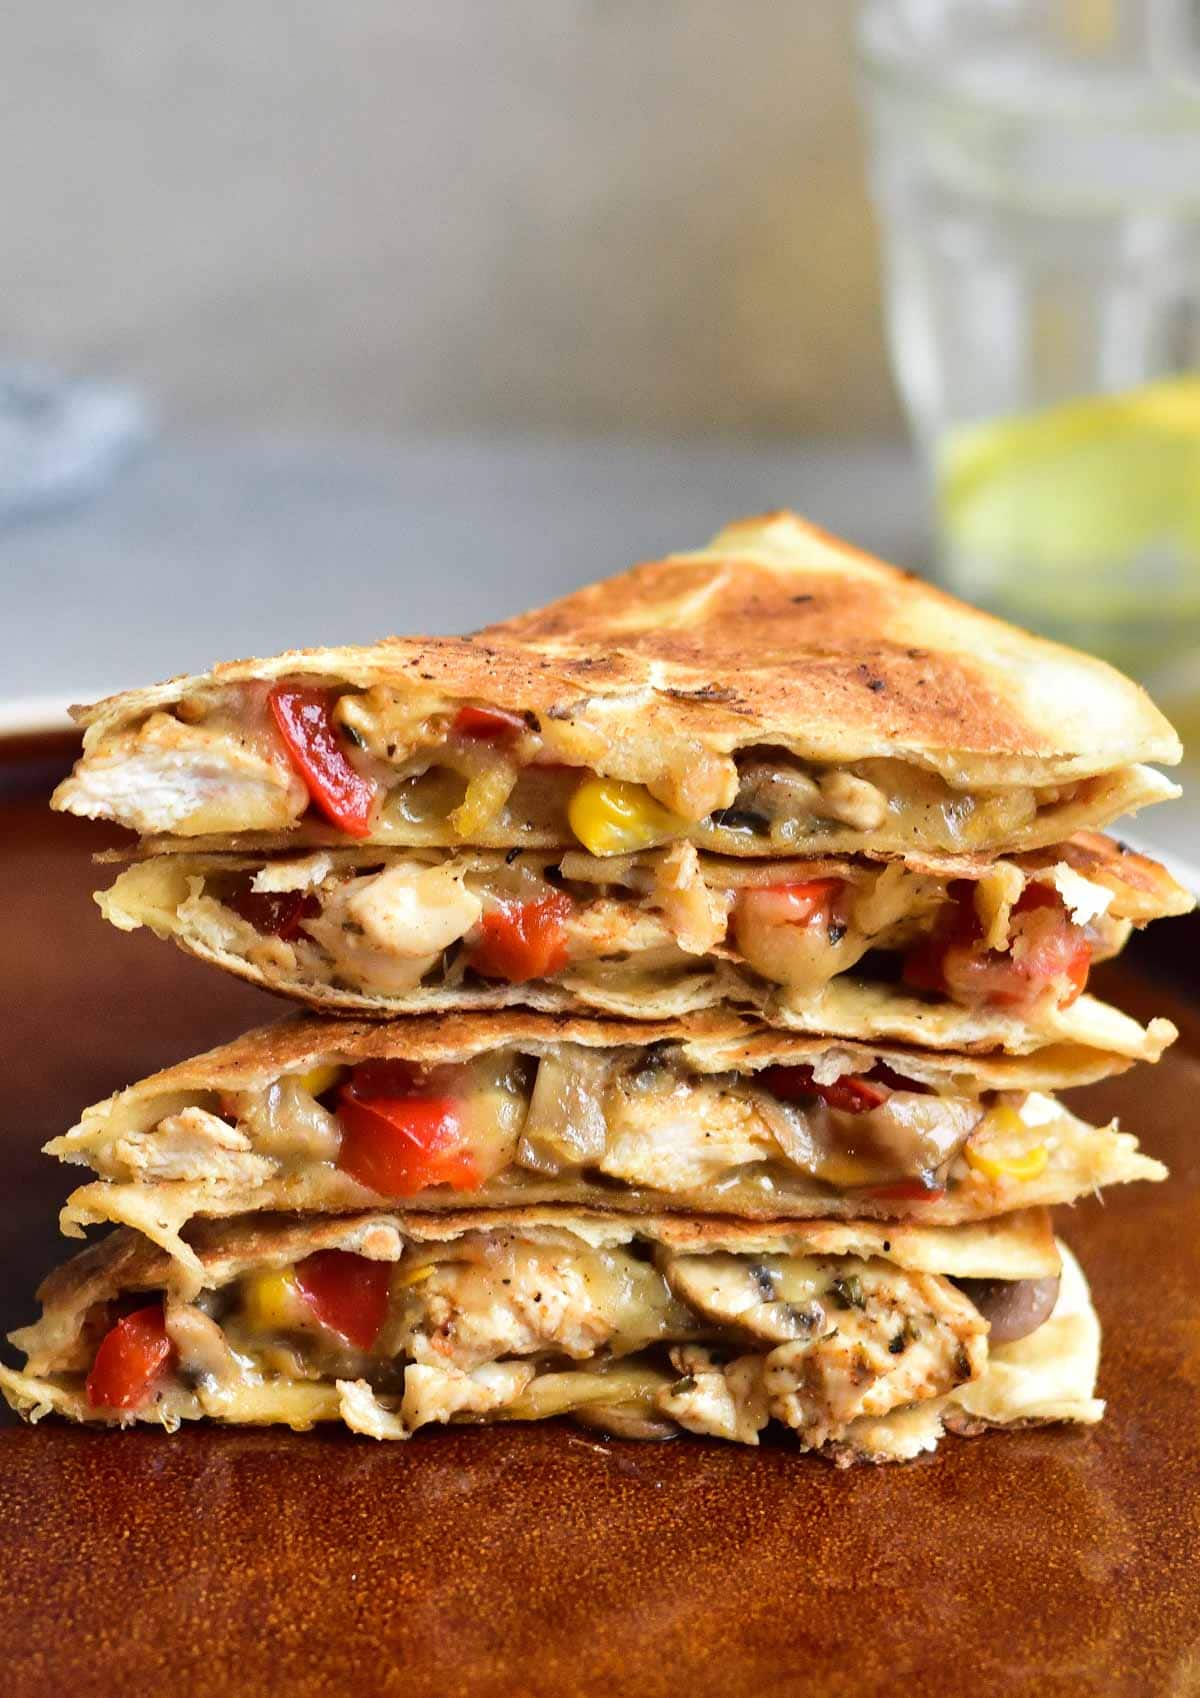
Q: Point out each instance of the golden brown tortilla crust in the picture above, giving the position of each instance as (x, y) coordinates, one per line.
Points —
(1144, 889)
(778, 634)
(828, 649)
(712, 1041)
(1022, 1244)
(1086, 1025)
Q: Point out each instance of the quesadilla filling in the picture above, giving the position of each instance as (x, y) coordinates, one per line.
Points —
(630, 1127)
(416, 767)
(611, 932)
(635, 1338)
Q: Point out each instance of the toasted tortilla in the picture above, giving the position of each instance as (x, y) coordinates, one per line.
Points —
(149, 1184)
(159, 892)
(1015, 1246)
(718, 1041)
(776, 635)
(1047, 1376)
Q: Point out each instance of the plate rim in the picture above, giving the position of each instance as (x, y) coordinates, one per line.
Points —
(23, 716)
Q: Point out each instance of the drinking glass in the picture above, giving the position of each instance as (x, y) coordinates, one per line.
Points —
(1036, 170)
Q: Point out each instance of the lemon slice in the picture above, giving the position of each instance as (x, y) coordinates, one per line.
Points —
(1086, 510)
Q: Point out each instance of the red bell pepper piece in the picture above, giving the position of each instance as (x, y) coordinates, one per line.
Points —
(386, 1078)
(276, 913)
(304, 715)
(133, 1358)
(851, 1093)
(487, 723)
(1047, 951)
(523, 940)
(790, 904)
(347, 1293)
(397, 1142)
(907, 1191)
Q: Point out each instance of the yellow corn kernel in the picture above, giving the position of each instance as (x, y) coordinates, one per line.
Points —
(1004, 1121)
(1027, 1165)
(318, 1080)
(271, 1300)
(611, 817)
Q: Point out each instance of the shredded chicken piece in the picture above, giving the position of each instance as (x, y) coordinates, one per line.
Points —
(363, 1413)
(386, 931)
(391, 723)
(803, 957)
(414, 911)
(542, 1298)
(857, 1337)
(606, 927)
(852, 800)
(896, 1339)
(189, 779)
(188, 1145)
(682, 1136)
(696, 781)
(1083, 899)
(302, 872)
(724, 1400)
(439, 1393)
(697, 916)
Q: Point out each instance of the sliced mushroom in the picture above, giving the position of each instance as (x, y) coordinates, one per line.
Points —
(204, 1354)
(776, 1297)
(910, 1134)
(566, 1125)
(623, 1421)
(794, 1130)
(622, 1395)
(778, 790)
(288, 1123)
(1013, 1308)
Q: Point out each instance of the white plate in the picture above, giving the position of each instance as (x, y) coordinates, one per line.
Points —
(30, 714)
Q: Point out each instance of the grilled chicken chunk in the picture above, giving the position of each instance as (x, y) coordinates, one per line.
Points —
(863, 1337)
(189, 779)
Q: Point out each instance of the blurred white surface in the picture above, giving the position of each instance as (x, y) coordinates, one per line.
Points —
(208, 548)
(387, 214)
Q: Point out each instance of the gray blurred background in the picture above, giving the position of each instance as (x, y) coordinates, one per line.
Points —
(647, 215)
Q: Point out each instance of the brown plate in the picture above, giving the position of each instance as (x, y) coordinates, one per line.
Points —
(542, 1560)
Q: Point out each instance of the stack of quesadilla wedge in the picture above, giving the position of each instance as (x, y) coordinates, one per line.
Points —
(690, 967)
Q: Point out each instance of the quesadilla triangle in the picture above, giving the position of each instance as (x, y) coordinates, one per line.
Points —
(708, 1114)
(952, 952)
(776, 693)
(866, 1340)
